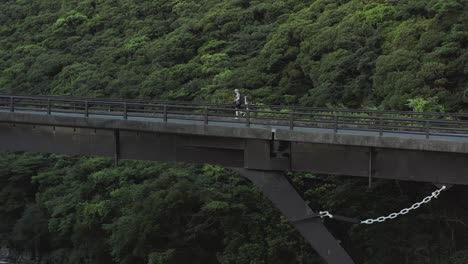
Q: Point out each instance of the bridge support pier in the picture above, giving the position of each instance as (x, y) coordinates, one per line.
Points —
(282, 194)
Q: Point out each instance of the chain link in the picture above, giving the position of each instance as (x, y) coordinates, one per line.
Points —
(323, 214)
(403, 211)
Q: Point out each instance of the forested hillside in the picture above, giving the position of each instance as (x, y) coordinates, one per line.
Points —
(385, 54)
(324, 52)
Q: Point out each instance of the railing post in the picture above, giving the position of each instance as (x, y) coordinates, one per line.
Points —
(165, 113)
(291, 120)
(335, 122)
(48, 107)
(125, 116)
(205, 115)
(12, 104)
(428, 126)
(380, 126)
(86, 109)
(247, 117)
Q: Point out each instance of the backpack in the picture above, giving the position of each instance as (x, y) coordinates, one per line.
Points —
(242, 99)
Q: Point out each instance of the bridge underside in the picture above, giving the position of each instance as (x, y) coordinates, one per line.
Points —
(229, 152)
(260, 160)
(257, 154)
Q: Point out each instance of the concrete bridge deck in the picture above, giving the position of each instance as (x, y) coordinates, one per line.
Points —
(427, 147)
(373, 144)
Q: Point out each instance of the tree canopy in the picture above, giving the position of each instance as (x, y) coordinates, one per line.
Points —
(349, 53)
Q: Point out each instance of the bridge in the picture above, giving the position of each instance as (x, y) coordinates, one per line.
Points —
(267, 141)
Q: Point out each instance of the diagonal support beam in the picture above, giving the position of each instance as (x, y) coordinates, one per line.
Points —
(282, 194)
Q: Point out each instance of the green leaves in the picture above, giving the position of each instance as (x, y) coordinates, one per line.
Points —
(70, 24)
(84, 209)
(161, 257)
(345, 53)
(81, 209)
(214, 63)
(419, 104)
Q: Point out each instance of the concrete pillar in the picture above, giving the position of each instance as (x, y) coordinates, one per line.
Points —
(282, 194)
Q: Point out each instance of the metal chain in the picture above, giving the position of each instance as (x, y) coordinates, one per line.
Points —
(323, 214)
(404, 211)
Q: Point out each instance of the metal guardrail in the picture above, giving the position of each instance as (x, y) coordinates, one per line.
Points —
(288, 117)
(253, 106)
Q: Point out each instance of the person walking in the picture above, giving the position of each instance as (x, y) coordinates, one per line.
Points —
(239, 101)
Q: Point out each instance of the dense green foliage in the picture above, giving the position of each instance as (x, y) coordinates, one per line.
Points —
(88, 211)
(405, 54)
(79, 210)
(314, 52)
